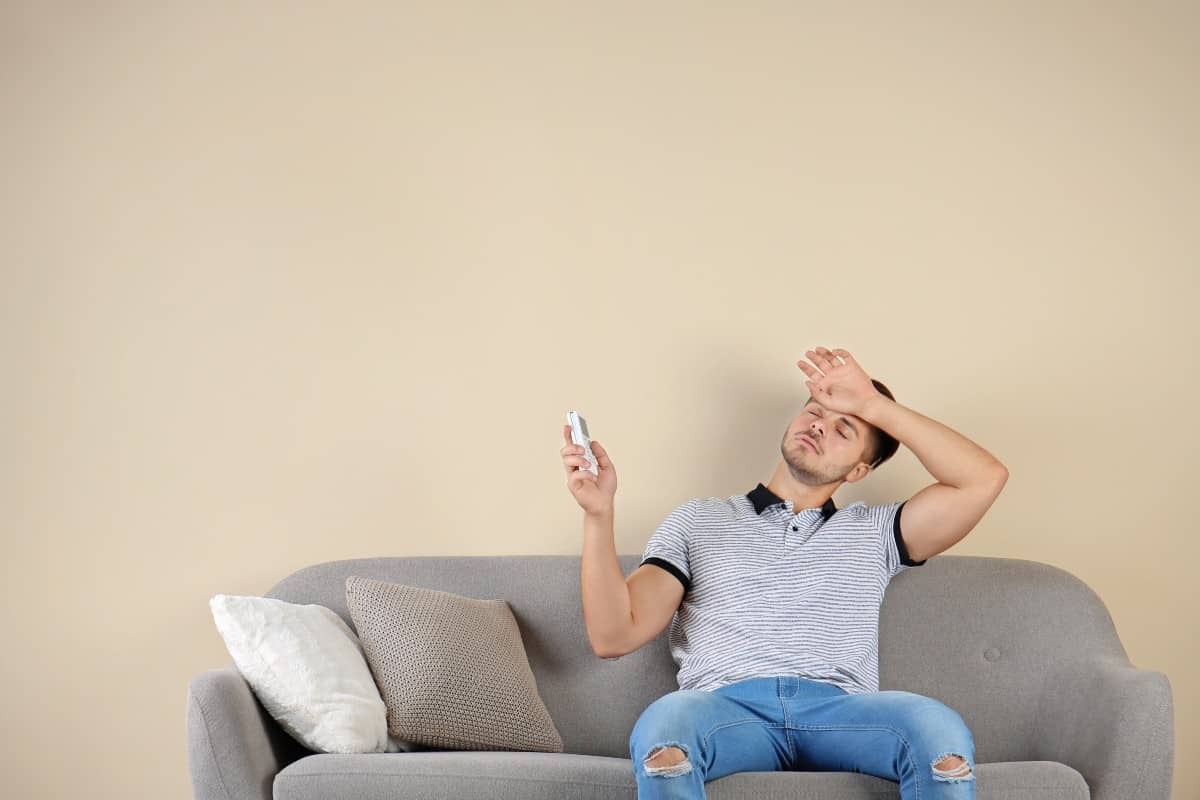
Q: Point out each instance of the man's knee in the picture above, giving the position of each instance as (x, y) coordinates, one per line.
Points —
(665, 757)
(667, 760)
(952, 767)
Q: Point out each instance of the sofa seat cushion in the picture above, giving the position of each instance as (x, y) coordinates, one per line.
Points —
(497, 775)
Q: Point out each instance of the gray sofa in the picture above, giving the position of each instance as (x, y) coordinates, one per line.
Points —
(1024, 651)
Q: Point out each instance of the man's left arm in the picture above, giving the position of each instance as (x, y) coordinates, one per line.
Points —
(969, 478)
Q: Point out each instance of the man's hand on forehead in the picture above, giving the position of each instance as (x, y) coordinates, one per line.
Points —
(838, 382)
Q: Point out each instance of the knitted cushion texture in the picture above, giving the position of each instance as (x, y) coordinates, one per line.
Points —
(452, 670)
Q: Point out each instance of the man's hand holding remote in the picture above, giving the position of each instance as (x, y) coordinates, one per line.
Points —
(593, 493)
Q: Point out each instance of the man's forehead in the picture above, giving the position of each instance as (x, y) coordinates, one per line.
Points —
(817, 403)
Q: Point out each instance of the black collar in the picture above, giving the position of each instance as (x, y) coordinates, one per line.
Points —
(763, 498)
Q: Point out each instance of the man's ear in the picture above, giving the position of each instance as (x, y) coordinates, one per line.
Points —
(861, 467)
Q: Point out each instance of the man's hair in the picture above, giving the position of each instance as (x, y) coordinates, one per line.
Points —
(880, 444)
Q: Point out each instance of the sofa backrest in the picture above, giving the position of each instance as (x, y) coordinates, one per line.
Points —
(983, 635)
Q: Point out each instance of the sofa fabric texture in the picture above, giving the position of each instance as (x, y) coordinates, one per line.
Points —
(1024, 651)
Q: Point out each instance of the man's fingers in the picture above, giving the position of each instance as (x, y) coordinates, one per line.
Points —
(580, 475)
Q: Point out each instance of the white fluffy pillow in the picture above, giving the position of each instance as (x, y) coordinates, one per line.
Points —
(308, 669)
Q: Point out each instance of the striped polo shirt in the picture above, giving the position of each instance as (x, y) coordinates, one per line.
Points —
(769, 591)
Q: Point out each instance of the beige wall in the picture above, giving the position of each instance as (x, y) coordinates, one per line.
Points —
(283, 286)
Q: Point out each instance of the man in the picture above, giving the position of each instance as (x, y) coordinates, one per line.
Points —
(773, 600)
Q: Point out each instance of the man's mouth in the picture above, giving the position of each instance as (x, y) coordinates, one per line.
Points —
(808, 442)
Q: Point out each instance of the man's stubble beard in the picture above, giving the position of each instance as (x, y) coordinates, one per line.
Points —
(802, 471)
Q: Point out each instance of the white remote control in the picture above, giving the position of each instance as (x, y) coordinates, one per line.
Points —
(579, 435)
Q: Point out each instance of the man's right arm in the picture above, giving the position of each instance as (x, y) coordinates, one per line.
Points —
(622, 615)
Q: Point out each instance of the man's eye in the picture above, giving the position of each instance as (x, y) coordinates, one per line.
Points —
(844, 436)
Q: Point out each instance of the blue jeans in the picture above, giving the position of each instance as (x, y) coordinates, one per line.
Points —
(792, 723)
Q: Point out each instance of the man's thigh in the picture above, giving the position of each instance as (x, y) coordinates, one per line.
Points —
(740, 729)
(891, 734)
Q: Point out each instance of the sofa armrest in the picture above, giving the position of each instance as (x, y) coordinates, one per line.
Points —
(235, 747)
(1114, 724)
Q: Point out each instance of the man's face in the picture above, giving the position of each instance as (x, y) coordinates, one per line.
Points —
(841, 441)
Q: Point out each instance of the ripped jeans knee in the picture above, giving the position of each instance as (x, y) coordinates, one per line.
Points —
(668, 765)
(951, 767)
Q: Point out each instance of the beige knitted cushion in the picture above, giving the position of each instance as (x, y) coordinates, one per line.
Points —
(451, 670)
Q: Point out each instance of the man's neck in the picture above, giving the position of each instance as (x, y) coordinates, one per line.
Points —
(801, 495)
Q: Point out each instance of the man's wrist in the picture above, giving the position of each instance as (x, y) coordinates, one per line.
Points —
(875, 406)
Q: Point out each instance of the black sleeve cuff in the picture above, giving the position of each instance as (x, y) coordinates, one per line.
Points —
(671, 568)
(904, 559)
